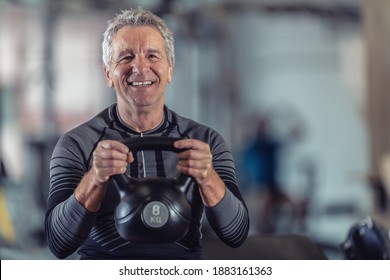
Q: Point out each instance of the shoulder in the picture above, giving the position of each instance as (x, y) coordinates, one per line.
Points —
(90, 131)
(189, 128)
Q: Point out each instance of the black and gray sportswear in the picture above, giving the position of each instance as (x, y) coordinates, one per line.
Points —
(69, 227)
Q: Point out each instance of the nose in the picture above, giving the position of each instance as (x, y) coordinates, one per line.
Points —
(139, 65)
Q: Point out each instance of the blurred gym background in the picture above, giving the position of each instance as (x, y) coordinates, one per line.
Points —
(315, 73)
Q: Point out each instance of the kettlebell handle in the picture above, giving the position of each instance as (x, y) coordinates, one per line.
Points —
(151, 143)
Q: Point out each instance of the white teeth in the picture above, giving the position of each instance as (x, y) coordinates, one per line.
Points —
(147, 83)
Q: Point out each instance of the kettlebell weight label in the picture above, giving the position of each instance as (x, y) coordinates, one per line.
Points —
(156, 210)
(155, 214)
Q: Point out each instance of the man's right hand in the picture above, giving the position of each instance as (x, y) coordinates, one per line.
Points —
(109, 158)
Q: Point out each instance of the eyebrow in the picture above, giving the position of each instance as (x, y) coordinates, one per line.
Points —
(150, 50)
(123, 52)
(154, 50)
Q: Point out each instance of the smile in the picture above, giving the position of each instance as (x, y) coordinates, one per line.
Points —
(141, 84)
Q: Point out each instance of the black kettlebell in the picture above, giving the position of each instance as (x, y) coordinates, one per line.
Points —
(153, 209)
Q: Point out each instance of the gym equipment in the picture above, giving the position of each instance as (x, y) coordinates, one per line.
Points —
(367, 241)
(153, 209)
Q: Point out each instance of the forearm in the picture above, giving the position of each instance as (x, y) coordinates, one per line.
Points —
(67, 226)
(213, 190)
(69, 223)
(89, 193)
(229, 219)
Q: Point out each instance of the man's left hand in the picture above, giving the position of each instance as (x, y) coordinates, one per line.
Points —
(197, 162)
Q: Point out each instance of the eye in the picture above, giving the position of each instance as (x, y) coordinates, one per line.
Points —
(154, 56)
(125, 59)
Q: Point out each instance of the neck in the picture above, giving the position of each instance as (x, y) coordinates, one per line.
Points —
(142, 120)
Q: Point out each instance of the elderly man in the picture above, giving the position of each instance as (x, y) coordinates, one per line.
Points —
(138, 58)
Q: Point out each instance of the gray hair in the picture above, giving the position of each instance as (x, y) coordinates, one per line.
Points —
(136, 17)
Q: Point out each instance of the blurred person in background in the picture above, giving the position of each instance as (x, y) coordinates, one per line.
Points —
(261, 162)
(138, 62)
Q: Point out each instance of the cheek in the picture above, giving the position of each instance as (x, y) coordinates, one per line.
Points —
(121, 70)
(118, 76)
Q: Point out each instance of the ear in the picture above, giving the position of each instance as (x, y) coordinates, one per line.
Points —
(170, 73)
(107, 73)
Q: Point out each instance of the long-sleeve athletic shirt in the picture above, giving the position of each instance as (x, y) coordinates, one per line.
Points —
(69, 227)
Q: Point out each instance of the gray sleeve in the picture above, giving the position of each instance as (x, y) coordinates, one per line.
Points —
(229, 219)
(67, 227)
(67, 222)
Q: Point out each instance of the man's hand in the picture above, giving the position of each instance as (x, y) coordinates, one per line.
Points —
(197, 163)
(110, 158)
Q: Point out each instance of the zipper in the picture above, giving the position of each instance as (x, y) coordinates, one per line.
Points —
(143, 159)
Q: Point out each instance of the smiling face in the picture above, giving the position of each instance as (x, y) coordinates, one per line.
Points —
(139, 70)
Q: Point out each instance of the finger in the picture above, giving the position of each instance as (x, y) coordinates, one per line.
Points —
(202, 163)
(110, 158)
(106, 163)
(192, 154)
(129, 157)
(189, 144)
(114, 145)
(103, 174)
(110, 155)
(112, 150)
(194, 149)
(198, 174)
(203, 155)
